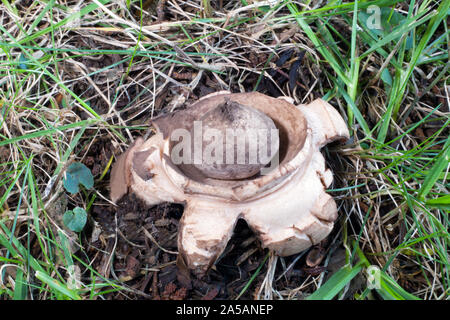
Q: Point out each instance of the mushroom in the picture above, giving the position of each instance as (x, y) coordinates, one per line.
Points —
(281, 195)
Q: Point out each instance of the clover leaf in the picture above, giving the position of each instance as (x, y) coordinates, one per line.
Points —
(77, 173)
(75, 219)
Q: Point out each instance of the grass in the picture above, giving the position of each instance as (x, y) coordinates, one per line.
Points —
(71, 76)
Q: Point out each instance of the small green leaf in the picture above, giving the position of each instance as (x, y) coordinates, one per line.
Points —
(75, 220)
(77, 173)
(364, 145)
(71, 183)
(23, 62)
(388, 20)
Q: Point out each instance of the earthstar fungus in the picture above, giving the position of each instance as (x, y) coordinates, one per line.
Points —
(287, 206)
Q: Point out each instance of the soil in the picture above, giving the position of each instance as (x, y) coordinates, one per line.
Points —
(140, 262)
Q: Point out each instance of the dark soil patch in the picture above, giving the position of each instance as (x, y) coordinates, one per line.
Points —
(141, 264)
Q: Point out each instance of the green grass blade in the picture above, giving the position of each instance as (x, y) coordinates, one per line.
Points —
(354, 109)
(317, 43)
(40, 133)
(20, 287)
(441, 202)
(253, 277)
(58, 286)
(336, 283)
(442, 162)
(87, 9)
(391, 290)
